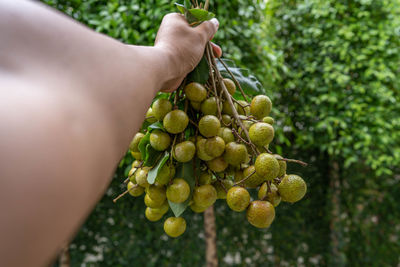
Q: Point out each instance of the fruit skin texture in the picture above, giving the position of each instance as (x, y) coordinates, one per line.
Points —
(267, 166)
(175, 121)
(292, 188)
(152, 203)
(151, 215)
(184, 151)
(150, 118)
(209, 126)
(217, 164)
(235, 153)
(178, 191)
(254, 180)
(174, 226)
(159, 140)
(226, 134)
(226, 119)
(164, 175)
(205, 178)
(141, 177)
(214, 146)
(245, 110)
(135, 142)
(197, 209)
(209, 106)
(136, 155)
(261, 133)
(260, 213)
(156, 193)
(230, 86)
(260, 106)
(195, 92)
(272, 197)
(160, 108)
(282, 165)
(195, 105)
(135, 192)
(226, 108)
(201, 150)
(204, 195)
(238, 198)
(268, 120)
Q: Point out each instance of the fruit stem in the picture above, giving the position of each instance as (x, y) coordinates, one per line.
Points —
(209, 60)
(234, 79)
(245, 178)
(133, 173)
(124, 193)
(302, 163)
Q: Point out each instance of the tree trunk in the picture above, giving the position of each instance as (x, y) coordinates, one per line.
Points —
(64, 260)
(211, 238)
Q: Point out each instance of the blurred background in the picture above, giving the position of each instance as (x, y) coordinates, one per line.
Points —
(331, 68)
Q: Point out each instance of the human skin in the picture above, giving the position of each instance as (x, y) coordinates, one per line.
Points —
(71, 100)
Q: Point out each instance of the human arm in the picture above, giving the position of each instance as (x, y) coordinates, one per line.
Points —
(70, 101)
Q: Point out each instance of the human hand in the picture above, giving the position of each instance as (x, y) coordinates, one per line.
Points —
(184, 46)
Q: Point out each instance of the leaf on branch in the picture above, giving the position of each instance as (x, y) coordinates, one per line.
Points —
(194, 15)
(151, 156)
(201, 73)
(153, 173)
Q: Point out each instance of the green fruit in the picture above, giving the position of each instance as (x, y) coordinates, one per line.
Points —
(238, 176)
(235, 154)
(226, 119)
(226, 134)
(261, 133)
(156, 193)
(282, 165)
(292, 188)
(209, 126)
(217, 164)
(136, 155)
(161, 107)
(243, 108)
(209, 106)
(247, 124)
(184, 151)
(230, 86)
(174, 226)
(195, 92)
(195, 105)
(222, 185)
(238, 198)
(131, 175)
(175, 121)
(134, 189)
(141, 177)
(254, 180)
(159, 140)
(135, 142)
(151, 215)
(260, 106)
(204, 195)
(201, 150)
(164, 175)
(150, 118)
(136, 163)
(260, 213)
(172, 171)
(205, 178)
(178, 191)
(268, 120)
(214, 146)
(152, 203)
(197, 209)
(162, 209)
(267, 166)
(273, 197)
(227, 109)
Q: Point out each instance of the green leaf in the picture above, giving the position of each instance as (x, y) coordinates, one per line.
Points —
(248, 82)
(156, 126)
(152, 175)
(200, 14)
(181, 8)
(201, 73)
(185, 171)
(151, 157)
(143, 144)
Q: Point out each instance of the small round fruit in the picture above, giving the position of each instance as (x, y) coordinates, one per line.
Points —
(272, 196)
(136, 155)
(282, 165)
(156, 193)
(261, 133)
(141, 177)
(235, 154)
(134, 189)
(238, 198)
(175, 121)
(267, 166)
(197, 209)
(205, 178)
(215, 146)
(164, 175)
(230, 85)
(161, 107)
(227, 109)
(184, 151)
(292, 188)
(217, 164)
(260, 106)
(204, 195)
(131, 174)
(268, 120)
(162, 209)
(195, 92)
(209, 126)
(150, 118)
(209, 106)
(238, 176)
(195, 105)
(201, 150)
(135, 142)
(222, 185)
(178, 191)
(260, 213)
(244, 108)
(174, 226)
(226, 119)
(151, 203)
(247, 124)
(254, 180)
(226, 134)
(151, 215)
(160, 140)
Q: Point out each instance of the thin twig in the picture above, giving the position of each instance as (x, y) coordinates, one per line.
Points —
(302, 163)
(138, 167)
(234, 79)
(124, 193)
(245, 178)
(209, 55)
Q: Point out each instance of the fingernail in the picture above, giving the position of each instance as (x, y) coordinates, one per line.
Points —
(215, 22)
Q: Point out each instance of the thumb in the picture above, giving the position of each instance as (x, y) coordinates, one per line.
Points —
(207, 29)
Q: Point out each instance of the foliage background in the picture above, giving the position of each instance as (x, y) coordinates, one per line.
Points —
(332, 70)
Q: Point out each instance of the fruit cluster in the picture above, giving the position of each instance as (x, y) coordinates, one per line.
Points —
(206, 142)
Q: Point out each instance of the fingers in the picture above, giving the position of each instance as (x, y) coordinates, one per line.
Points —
(216, 50)
(208, 29)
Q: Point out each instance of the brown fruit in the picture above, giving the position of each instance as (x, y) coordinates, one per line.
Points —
(260, 213)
